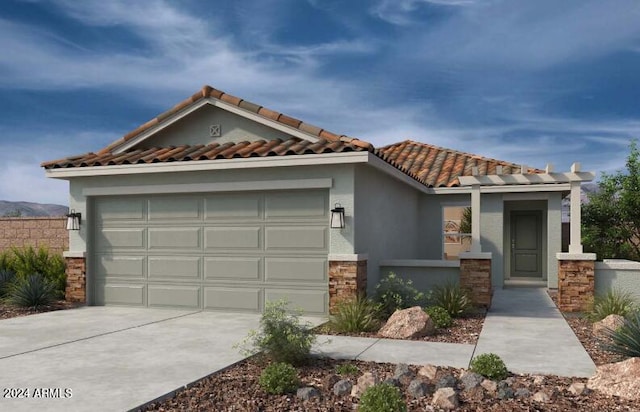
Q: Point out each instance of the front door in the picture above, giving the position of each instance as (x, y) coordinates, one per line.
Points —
(526, 244)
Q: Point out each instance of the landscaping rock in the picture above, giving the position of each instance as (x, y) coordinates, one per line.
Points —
(308, 393)
(471, 379)
(408, 324)
(330, 380)
(447, 381)
(476, 393)
(611, 322)
(342, 387)
(538, 380)
(428, 371)
(365, 381)
(541, 397)
(522, 393)
(445, 398)
(403, 374)
(490, 386)
(417, 389)
(578, 388)
(506, 392)
(618, 379)
(393, 382)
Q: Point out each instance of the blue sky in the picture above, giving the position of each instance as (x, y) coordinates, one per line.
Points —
(530, 82)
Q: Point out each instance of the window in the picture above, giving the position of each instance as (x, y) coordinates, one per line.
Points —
(456, 228)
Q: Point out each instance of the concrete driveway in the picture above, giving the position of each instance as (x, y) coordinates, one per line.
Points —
(111, 358)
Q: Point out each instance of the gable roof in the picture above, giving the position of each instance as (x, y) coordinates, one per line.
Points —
(430, 165)
(246, 149)
(440, 167)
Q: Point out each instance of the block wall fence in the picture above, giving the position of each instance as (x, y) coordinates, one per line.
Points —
(34, 231)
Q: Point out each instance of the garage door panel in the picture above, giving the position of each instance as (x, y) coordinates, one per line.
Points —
(167, 267)
(229, 268)
(108, 239)
(174, 238)
(296, 205)
(243, 299)
(227, 238)
(174, 208)
(120, 209)
(228, 206)
(174, 296)
(310, 301)
(296, 269)
(296, 238)
(120, 266)
(121, 294)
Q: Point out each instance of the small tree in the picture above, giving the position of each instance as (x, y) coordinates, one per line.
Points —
(611, 219)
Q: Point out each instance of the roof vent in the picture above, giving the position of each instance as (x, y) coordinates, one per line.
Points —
(215, 130)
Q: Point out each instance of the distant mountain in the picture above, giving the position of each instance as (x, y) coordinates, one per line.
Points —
(31, 209)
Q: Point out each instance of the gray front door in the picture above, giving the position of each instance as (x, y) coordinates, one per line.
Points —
(526, 244)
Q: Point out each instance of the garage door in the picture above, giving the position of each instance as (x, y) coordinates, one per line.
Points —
(222, 251)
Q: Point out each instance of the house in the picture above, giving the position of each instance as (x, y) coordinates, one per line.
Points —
(221, 204)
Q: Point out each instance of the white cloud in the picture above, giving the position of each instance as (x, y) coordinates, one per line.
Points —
(400, 12)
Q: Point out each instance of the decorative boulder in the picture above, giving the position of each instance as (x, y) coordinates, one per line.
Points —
(611, 322)
(365, 381)
(428, 371)
(445, 398)
(408, 324)
(618, 379)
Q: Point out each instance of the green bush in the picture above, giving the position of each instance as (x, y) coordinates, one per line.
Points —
(357, 314)
(32, 291)
(439, 316)
(6, 260)
(393, 293)
(452, 298)
(382, 398)
(626, 339)
(281, 336)
(279, 378)
(28, 260)
(347, 369)
(490, 366)
(7, 277)
(614, 302)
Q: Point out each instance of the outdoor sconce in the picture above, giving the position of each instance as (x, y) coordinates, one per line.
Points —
(73, 220)
(337, 217)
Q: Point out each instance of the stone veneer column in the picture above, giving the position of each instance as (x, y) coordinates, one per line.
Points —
(576, 281)
(475, 276)
(76, 270)
(347, 279)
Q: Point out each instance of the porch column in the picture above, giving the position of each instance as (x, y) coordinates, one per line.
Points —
(476, 247)
(575, 242)
(76, 271)
(347, 278)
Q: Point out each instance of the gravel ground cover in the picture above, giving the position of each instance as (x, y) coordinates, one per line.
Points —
(7, 311)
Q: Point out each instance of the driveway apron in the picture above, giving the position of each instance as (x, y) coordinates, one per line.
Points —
(111, 358)
(527, 331)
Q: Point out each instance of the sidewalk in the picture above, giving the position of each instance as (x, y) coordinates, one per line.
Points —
(523, 327)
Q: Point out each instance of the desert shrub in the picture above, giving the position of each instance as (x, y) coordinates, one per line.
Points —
(347, 369)
(31, 291)
(382, 398)
(281, 336)
(452, 298)
(6, 260)
(614, 302)
(490, 366)
(279, 378)
(28, 260)
(439, 316)
(394, 293)
(357, 314)
(7, 277)
(626, 339)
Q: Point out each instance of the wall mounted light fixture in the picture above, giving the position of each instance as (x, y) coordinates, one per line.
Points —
(337, 217)
(73, 220)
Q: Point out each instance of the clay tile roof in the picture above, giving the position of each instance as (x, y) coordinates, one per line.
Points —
(439, 167)
(208, 92)
(259, 148)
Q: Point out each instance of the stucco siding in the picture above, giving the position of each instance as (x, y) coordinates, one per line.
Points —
(386, 214)
(194, 129)
(617, 274)
(554, 237)
(340, 241)
(491, 239)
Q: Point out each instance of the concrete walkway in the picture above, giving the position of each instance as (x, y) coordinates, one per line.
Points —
(523, 327)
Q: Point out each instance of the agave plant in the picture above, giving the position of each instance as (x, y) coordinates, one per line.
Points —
(626, 339)
(357, 314)
(32, 291)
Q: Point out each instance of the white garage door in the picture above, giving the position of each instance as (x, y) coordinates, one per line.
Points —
(222, 251)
